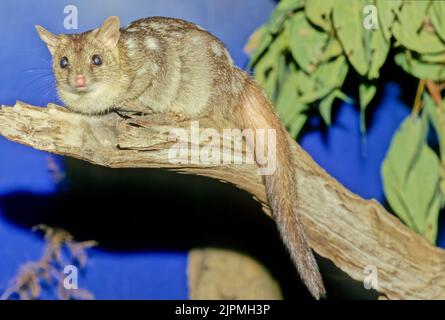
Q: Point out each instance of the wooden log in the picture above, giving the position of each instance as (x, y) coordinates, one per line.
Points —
(351, 232)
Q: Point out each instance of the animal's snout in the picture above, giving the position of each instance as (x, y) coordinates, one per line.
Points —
(80, 81)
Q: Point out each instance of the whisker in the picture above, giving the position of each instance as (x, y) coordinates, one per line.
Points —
(37, 70)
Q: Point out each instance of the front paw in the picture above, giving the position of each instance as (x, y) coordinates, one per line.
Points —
(137, 108)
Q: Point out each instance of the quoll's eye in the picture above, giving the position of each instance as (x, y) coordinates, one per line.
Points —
(96, 60)
(64, 62)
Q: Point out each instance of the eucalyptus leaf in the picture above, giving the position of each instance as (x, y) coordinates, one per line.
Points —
(282, 69)
(409, 29)
(266, 68)
(422, 188)
(348, 22)
(270, 85)
(333, 49)
(325, 106)
(431, 223)
(379, 48)
(261, 69)
(420, 69)
(306, 43)
(437, 16)
(433, 58)
(286, 101)
(297, 125)
(410, 175)
(436, 116)
(367, 92)
(319, 13)
(310, 88)
(259, 42)
(289, 108)
(388, 11)
(343, 96)
(283, 11)
(328, 76)
(432, 115)
(408, 140)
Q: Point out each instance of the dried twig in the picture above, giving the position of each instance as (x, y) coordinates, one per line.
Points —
(33, 277)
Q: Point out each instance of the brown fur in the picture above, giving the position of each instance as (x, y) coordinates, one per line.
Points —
(171, 65)
(257, 112)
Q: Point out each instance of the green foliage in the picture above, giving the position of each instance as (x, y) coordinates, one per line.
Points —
(304, 53)
(419, 67)
(411, 178)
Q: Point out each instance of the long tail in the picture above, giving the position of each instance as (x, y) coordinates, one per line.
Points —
(255, 111)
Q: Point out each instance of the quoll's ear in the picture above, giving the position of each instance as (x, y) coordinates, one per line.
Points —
(51, 40)
(109, 32)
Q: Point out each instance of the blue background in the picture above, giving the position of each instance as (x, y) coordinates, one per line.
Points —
(156, 274)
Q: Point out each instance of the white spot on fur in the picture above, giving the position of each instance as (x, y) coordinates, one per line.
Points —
(200, 28)
(131, 45)
(156, 26)
(151, 43)
(217, 49)
(132, 30)
(175, 34)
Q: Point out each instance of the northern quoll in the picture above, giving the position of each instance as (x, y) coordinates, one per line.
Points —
(173, 66)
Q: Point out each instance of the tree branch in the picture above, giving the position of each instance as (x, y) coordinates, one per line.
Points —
(351, 232)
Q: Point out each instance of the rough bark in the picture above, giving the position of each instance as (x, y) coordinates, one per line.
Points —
(351, 232)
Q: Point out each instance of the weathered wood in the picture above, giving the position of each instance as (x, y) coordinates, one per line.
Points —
(351, 232)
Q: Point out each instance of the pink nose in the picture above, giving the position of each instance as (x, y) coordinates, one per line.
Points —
(80, 80)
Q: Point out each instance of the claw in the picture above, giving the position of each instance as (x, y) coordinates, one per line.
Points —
(179, 117)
